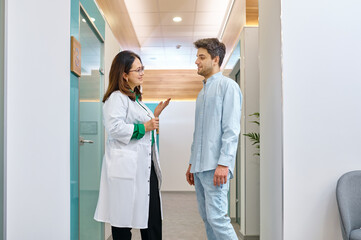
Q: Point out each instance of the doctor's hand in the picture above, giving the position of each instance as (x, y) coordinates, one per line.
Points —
(158, 110)
(220, 175)
(189, 175)
(151, 124)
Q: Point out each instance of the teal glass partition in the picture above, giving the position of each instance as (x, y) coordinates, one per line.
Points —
(152, 106)
(2, 115)
(74, 121)
(91, 147)
(83, 194)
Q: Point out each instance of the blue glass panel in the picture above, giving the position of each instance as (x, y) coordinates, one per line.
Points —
(91, 129)
(74, 153)
(74, 119)
(93, 12)
(152, 107)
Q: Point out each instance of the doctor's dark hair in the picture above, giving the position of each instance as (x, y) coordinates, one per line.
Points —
(213, 46)
(122, 63)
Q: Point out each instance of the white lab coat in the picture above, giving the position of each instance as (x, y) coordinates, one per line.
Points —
(124, 185)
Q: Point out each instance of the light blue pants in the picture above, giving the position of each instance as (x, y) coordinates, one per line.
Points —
(213, 206)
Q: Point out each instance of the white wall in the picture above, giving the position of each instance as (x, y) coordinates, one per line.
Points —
(175, 138)
(322, 114)
(111, 48)
(2, 26)
(249, 178)
(319, 88)
(38, 119)
(271, 223)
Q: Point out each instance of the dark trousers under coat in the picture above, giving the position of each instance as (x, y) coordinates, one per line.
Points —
(154, 230)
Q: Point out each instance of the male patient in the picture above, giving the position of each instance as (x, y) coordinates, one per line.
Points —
(215, 139)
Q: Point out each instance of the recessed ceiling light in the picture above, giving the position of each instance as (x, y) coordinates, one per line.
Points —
(92, 19)
(83, 20)
(177, 19)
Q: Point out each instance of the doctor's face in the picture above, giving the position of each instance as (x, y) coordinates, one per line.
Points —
(135, 75)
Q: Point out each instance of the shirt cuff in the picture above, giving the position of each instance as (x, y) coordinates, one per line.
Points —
(139, 131)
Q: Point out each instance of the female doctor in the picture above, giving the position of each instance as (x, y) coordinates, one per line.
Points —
(129, 195)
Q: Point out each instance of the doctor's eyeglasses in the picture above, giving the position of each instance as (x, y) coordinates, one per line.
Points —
(139, 70)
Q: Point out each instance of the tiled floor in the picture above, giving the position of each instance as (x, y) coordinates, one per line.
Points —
(181, 218)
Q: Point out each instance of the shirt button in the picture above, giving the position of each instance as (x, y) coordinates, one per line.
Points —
(149, 154)
(148, 181)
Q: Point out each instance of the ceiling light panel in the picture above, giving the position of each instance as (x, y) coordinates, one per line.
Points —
(177, 6)
(167, 19)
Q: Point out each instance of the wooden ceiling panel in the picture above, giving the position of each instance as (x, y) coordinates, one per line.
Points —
(116, 14)
(176, 84)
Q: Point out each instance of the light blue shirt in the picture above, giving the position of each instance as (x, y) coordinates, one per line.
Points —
(217, 124)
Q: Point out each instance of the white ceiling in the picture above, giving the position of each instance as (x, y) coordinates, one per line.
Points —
(158, 35)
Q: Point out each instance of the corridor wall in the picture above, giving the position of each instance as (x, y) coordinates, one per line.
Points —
(176, 126)
(111, 48)
(37, 102)
(310, 93)
(249, 165)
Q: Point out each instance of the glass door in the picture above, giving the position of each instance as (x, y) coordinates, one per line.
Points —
(91, 134)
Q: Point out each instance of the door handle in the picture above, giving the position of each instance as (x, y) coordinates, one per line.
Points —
(82, 141)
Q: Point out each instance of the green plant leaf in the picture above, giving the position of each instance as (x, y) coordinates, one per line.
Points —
(255, 114)
(256, 122)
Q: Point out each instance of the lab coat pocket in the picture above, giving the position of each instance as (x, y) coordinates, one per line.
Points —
(122, 164)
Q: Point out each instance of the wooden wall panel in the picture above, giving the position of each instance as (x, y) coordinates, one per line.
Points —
(176, 84)
(252, 12)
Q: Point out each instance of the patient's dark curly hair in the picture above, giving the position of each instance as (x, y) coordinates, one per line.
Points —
(214, 47)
